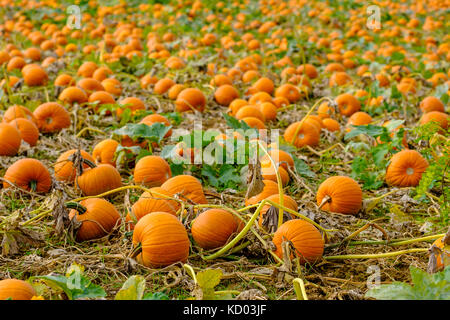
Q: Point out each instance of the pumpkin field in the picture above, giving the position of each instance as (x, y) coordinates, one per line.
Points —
(225, 150)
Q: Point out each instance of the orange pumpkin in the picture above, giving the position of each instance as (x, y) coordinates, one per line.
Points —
(10, 140)
(132, 103)
(441, 118)
(406, 168)
(98, 217)
(305, 238)
(99, 179)
(331, 125)
(308, 134)
(186, 187)
(163, 238)
(51, 117)
(64, 169)
(347, 104)
(28, 174)
(151, 171)
(430, 104)
(190, 99)
(16, 289)
(104, 152)
(343, 193)
(213, 228)
(28, 130)
(17, 111)
(268, 173)
(270, 188)
(151, 202)
(288, 202)
(280, 157)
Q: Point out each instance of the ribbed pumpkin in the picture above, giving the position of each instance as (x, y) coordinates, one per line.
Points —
(51, 117)
(280, 157)
(188, 187)
(149, 202)
(306, 239)
(213, 228)
(441, 118)
(10, 140)
(30, 175)
(288, 202)
(443, 259)
(270, 188)
(152, 171)
(16, 289)
(347, 104)
(430, 104)
(331, 124)
(345, 195)
(163, 238)
(28, 130)
(104, 152)
(64, 170)
(406, 168)
(17, 111)
(358, 119)
(99, 179)
(190, 99)
(98, 218)
(308, 134)
(268, 173)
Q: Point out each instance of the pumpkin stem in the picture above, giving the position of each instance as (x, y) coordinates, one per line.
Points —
(33, 185)
(88, 162)
(135, 251)
(75, 205)
(325, 200)
(299, 288)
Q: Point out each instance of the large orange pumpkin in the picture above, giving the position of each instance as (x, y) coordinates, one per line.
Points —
(186, 187)
(288, 202)
(98, 218)
(163, 238)
(344, 195)
(10, 140)
(99, 179)
(270, 188)
(406, 168)
(305, 238)
(16, 289)
(152, 171)
(64, 169)
(29, 132)
(104, 152)
(213, 228)
(151, 202)
(308, 134)
(52, 117)
(28, 174)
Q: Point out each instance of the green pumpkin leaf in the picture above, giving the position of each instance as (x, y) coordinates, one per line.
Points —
(74, 284)
(425, 287)
(302, 168)
(132, 289)
(368, 129)
(156, 296)
(153, 133)
(209, 278)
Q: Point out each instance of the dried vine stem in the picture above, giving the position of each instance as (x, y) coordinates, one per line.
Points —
(377, 255)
